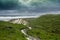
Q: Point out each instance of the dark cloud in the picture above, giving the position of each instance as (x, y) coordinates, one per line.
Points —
(47, 6)
(8, 4)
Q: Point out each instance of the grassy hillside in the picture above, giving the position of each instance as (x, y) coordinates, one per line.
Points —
(46, 27)
(9, 31)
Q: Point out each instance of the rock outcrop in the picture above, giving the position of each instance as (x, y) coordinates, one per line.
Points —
(19, 21)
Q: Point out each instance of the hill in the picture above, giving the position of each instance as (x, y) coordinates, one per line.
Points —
(10, 31)
(46, 27)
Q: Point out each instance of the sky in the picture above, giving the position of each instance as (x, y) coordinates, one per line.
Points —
(28, 7)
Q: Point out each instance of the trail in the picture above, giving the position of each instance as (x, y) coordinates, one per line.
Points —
(24, 31)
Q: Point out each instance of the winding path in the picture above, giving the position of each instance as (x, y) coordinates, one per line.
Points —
(24, 31)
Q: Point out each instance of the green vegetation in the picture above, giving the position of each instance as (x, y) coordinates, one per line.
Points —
(46, 27)
(9, 31)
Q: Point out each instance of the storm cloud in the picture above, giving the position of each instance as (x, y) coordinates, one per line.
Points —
(37, 6)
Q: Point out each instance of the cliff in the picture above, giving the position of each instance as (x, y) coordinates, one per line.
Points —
(19, 21)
